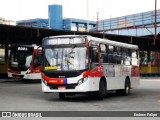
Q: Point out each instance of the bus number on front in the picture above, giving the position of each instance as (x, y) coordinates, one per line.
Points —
(22, 48)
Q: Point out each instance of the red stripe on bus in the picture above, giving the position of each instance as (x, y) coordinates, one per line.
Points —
(53, 80)
(135, 71)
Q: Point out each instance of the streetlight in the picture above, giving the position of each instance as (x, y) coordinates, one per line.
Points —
(87, 15)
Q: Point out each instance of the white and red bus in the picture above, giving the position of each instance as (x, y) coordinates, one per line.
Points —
(85, 64)
(25, 62)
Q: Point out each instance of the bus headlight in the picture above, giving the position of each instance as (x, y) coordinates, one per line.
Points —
(45, 82)
(82, 80)
(36, 71)
(28, 72)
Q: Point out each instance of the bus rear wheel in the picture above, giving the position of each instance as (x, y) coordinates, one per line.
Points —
(126, 90)
(62, 96)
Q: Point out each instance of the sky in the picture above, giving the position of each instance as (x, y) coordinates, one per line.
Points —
(28, 9)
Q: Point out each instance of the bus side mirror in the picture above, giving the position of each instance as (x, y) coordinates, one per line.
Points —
(40, 46)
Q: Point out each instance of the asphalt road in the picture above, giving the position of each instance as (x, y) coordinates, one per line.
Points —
(21, 96)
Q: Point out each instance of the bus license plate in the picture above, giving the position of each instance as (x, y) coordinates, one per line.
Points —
(62, 88)
(17, 77)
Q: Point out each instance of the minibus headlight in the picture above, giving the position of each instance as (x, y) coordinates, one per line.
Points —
(82, 80)
(36, 71)
(44, 81)
(28, 72)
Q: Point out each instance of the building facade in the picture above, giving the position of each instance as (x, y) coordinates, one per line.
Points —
(56, 21)
(35, 23)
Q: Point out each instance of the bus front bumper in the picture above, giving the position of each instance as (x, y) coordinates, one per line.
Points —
(31, 76)
(87, 86)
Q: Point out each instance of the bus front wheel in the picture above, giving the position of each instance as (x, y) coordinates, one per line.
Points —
(62, 95)
(102, 90)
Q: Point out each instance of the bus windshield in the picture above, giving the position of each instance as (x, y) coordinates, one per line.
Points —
(66, 58)
(20, 60)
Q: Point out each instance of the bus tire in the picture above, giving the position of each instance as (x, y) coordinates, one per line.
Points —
(127, 87)
(102, 90)
(126, 90)
(62, 96)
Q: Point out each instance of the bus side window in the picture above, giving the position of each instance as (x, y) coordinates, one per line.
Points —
(127, 57)
(103, 53)
(134, 59)
(118, 55)
(111, 54)
(93, 56)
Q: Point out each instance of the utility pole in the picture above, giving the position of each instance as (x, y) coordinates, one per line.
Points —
(97, 20)
(155, 22)
(155, 18)
(87, 15)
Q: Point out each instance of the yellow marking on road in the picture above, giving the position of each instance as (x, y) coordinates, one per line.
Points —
(155, 80)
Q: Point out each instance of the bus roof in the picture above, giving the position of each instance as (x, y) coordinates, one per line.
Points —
(98, 40)
(34, 46)
(113, 43)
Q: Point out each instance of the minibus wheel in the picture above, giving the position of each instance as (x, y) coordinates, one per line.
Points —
(62, 95)
(126, 90)
(102, 90)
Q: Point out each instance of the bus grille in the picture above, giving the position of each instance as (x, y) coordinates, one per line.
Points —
(68, 86)
(17, 76)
